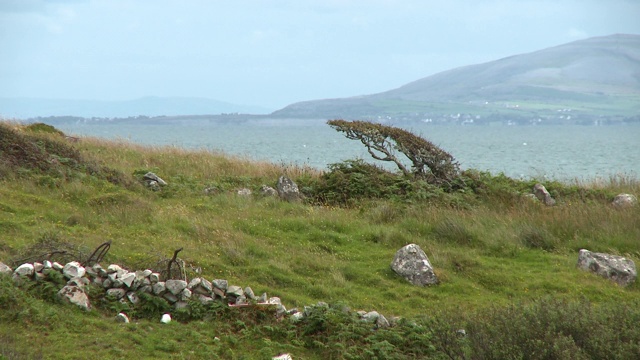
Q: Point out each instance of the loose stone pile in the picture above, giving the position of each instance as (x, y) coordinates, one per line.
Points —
(126, 286)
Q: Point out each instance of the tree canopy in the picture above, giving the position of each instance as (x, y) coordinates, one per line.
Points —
(428, 161)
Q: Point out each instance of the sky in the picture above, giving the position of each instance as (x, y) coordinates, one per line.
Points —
(273, 53)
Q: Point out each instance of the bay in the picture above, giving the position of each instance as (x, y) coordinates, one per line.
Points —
(567, 152)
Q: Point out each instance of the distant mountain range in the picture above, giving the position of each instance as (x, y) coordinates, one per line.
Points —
(23, 108)
(599, 75)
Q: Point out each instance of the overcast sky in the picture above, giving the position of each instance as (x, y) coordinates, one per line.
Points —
(274, 53)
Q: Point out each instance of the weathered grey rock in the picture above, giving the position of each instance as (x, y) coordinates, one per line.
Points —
(248, 292)
(287, 189)
(133, 297)
(195, 282)
(78, 281)
(412, 263)
(543, 195)
(175, 286)
(615, 268)
(282, 357)
(262, 299)
(266, 190)
(221, 284)
(204, 299)
(274, 300)
(149, 177)
(170, 297)
(377, 318)
(154, 278)
(5, 269)
(98, 280)
(122, 318)
(244, 192)
(38, 267)
(295, 317)
(235, 291)
(185, 295)
(205, 287)
(211, 190)
(75, 295)
(241, 300)
(102, 272)
(127, 279)
(117, 283)
(622, 201)
(24, 270)
(117, 293)
(218, 292)
(57, 266)
(146, 289)
(114, 268)
(106, 283)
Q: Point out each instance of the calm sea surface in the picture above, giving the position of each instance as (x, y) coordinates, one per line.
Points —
(552, 152)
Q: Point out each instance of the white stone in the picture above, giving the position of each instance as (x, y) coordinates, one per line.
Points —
(127, 279)
(38, 267)
(122, 318)
(282, 357)
(24, 270)
(154, 278)
(165, 319)
(615, 268)
(75, 295)
(624, 201)
(57, 266)
(73, 269)
(5, 269)
(158, 288)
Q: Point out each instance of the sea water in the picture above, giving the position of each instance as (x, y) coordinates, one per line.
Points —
(566, 152)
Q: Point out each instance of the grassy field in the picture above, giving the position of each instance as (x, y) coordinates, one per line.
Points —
(503, 260)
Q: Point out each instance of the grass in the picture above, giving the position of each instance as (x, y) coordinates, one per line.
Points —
(491, 248)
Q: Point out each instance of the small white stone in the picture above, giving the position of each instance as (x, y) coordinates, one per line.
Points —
(166, 318)
(122, 318)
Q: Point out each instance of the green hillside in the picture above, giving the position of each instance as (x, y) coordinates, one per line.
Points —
(594, 77)
(506, 264)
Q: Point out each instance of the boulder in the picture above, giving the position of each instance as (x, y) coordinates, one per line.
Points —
(615, 268)
(266, 190)
(287, 189)
(175, 286)
(25, 270)
(543, 195)
(622, 201)
(122, 318)
(75, 295)
(244, 192)
(151, 177)
(413, 264)
(5, 269)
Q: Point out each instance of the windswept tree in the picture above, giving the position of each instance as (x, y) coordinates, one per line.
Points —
(428, 161)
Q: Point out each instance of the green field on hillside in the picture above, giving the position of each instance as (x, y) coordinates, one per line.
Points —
(506, 264)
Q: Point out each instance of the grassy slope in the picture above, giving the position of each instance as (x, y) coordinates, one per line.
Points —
(299, 252)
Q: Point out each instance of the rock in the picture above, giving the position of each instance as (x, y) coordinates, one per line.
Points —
(133, 297)
(543, 195)
(117, 293)
(57, 266)
(78, 281)
(622, 201)
(165, 319)
(185, 295)
(114, 268)
(24, 270)
(413, 264)
(211, 190)
(268, 191)
(221, 284)
(122, 318)
(195, 282)
(127, 279)
(5, 269)
(235, 291)
(295, 317)
(377, 318)
(287, 189)
(217, 292)
(38, 267)
(282, 357)
(244, 192)
(154, 278)
(204, 299)
(248, 292)
(150, 177)
(75, 295)
(262, 299)
(175, 286)
(615, 268)
(170, 297)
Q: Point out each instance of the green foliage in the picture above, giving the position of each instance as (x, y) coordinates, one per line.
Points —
(43, 128)
(536, 237)
(545, 329)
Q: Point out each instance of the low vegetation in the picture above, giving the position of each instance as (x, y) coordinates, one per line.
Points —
(509, 287)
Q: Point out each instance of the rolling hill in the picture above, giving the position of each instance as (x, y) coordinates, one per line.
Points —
(600, 75)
